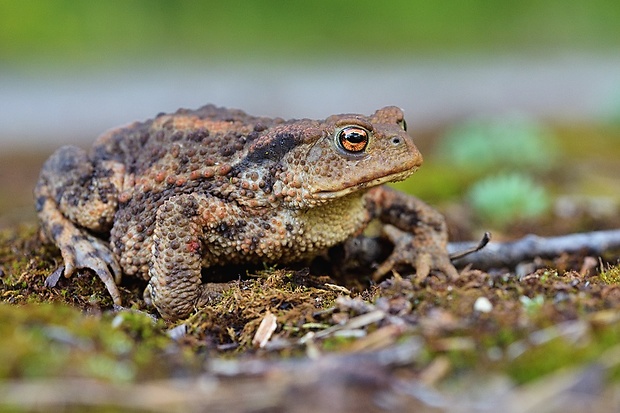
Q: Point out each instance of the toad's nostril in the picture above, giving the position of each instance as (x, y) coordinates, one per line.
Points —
(395, 140)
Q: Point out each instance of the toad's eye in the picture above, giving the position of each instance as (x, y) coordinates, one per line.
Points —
(353, 139)
(403, 124)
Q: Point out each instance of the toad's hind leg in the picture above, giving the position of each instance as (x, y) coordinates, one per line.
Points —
(72, 197)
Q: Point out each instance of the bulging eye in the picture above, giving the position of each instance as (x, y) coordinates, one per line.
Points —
(403, 124)
(353, 139)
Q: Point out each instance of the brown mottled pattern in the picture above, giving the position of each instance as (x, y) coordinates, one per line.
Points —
(216, 186)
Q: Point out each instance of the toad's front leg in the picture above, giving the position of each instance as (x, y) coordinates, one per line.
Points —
(175, 281)
(180, 250)
(418, 232)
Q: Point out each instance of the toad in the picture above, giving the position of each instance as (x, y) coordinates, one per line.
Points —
(166, 198)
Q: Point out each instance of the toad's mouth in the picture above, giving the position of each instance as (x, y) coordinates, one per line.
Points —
(346, 190)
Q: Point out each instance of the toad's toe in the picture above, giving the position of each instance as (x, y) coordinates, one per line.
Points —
(83, 251)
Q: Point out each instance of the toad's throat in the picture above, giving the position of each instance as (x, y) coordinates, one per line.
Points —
(360, 186)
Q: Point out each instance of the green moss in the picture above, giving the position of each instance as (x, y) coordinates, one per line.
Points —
(540, 360)
(337, 343)
(611, 275)
(231, 321)
(42, 340)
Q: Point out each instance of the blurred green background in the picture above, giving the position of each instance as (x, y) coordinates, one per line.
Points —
(84, 31)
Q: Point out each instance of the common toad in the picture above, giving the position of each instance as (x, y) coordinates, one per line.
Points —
(165, 198)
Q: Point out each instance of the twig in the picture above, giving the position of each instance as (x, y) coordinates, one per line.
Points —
(475, 248)
(509, 254)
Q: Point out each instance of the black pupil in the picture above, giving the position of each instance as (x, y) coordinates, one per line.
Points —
(355, 137)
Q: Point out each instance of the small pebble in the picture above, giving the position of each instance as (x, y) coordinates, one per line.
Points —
(483, 305)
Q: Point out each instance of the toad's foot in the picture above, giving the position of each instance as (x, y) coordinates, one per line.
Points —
(208, 294)
(423, 253)
(82, 250)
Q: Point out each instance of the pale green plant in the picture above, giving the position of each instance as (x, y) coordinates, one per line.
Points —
(503, 198)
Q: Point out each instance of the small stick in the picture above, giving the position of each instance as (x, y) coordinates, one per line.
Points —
(509, 254)
(483, 242)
